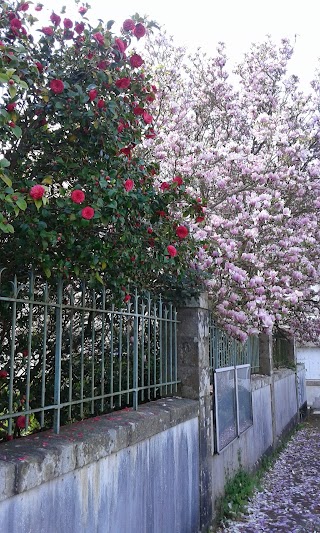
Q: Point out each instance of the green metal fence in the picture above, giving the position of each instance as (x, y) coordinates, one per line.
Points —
(281, 349)
(226, 351)
(67, 353)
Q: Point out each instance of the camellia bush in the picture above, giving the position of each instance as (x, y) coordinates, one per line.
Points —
(78, 200)
(76, 197)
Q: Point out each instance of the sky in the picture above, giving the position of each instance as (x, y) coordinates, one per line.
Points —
(203, 23)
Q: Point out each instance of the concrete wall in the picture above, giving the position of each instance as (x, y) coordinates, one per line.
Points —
(134, 471)
(130, 472)
(246, 450)
(285, 400)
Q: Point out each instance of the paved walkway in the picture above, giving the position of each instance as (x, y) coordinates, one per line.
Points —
(290, 498)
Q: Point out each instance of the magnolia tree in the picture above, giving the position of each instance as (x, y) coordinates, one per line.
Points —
(76, 197)
(250, 148)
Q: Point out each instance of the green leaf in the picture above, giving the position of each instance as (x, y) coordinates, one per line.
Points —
(5, 114)
(38, 204)
(12, 91)
(3, 78)
(23, 84)
(47, 272)
(4, 163)
(17, 131)
(99, 278)
(22, 204)
(10, 229)
(6, 180)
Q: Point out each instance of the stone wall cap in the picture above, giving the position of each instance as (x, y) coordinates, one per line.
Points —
(30, 461)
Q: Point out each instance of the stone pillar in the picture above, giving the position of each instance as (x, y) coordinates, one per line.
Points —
(292, 353)
(194, 374)
(266, 367)
(265, 354)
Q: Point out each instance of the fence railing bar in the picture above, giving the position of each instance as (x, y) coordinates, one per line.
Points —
(103, 350)
(57, 369)
(70, 357)
(111, 355)
(83, 295)
(44, 356)
(93, 350)
(136, 352)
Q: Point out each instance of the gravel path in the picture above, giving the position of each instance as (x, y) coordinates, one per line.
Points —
(289, 501)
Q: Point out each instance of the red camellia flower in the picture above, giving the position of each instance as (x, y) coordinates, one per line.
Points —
(79, 27)
(102, 65)
(10, 107)
(101, 104)
(139, 31)
(21, 422)
(147, 118)
(199, 219)
(36, 192)
(15, 24)
(123, 83)
(150, 230)
(57, 86)
(38, 7)
(172, 251)
(165, 186)
(182, 232)
(128, 185)
(136, 61)
(39, 66)
(93, 94)
(87, 213)
(55, 19)
(23, 7)
(67, 23)
(98, 37)
(137, 110)
(121, 45)
(82, 10)
(128, 25)
(121, 127)
(150, 98)
(126, 151)
(177, 180)
(78, 196)
(127, 298)
(47, 30)
(12, 124)
(68, 34)
(3, 374)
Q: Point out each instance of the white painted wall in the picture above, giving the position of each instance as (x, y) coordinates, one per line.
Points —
(310, 356)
